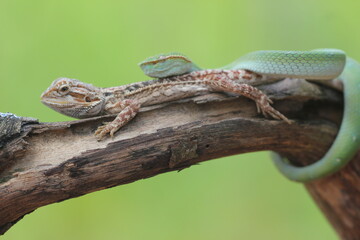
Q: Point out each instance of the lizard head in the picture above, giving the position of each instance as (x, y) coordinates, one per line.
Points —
(73, 98)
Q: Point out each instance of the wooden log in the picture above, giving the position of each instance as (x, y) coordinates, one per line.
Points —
(44, 163)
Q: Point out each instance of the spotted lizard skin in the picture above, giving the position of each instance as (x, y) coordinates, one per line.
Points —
(74, 98)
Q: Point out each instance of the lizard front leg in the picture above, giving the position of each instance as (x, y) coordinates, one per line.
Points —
(127, 109)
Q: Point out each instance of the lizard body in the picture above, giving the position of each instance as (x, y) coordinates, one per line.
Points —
(81, 100)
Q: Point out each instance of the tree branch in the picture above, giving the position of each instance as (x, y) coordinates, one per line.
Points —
(43, 163)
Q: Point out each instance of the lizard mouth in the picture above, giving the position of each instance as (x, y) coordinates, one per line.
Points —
(63, 106)
(63, 103)
(74, 102)
(56, 103)
(48, 101)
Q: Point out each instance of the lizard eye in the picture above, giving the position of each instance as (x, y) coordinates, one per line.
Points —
(87, 99)
(64, 89)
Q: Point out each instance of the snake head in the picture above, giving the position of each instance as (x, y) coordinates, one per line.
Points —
(73, 98)
(166, 65)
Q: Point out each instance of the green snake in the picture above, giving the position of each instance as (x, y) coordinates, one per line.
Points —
(320, 64)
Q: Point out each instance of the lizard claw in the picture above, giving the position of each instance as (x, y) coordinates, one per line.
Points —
(108, 128)
(263, 106)
(101, 132)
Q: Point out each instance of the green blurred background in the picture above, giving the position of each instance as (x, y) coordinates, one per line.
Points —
(101, 42)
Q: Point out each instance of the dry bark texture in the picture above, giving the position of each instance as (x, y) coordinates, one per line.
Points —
(43, 163)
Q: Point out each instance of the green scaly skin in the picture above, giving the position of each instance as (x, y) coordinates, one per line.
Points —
(347, 141)
(321, 64)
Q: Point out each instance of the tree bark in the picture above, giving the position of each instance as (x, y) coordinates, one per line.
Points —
(44, 163)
